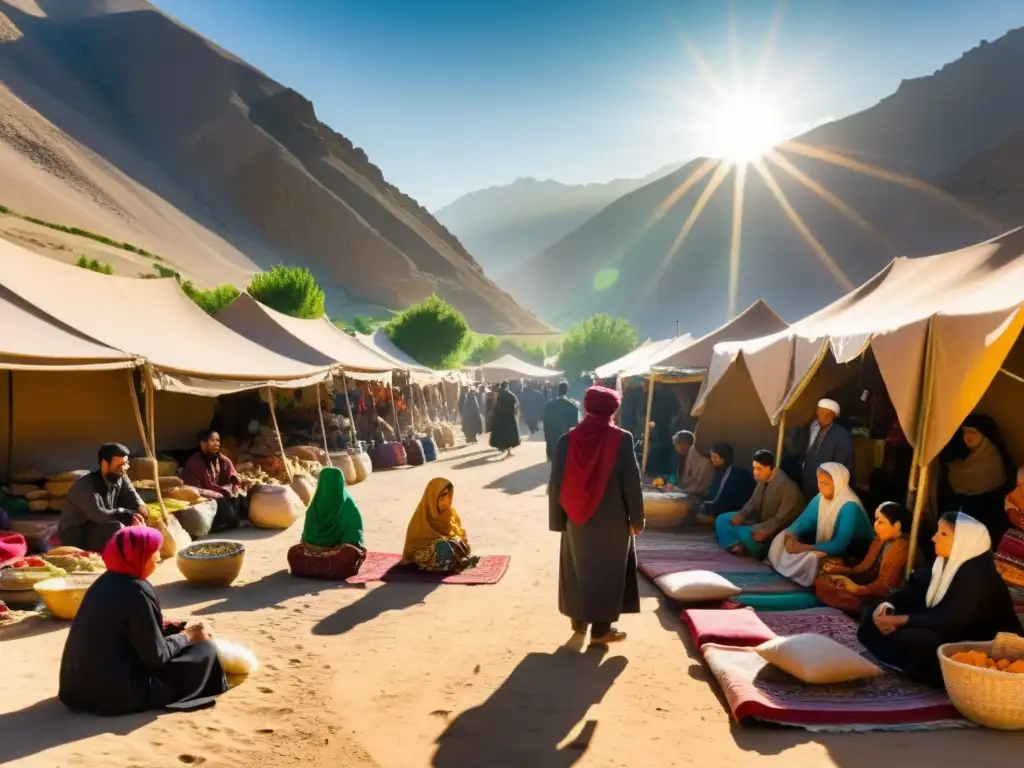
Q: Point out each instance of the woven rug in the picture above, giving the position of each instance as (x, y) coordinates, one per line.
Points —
(383, 566)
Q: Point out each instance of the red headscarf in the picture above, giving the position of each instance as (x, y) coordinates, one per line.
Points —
(593, 448)
(130, 549)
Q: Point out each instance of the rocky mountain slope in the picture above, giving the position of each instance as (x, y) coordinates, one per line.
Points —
(116, 119)
(503, 226)
(857, 191)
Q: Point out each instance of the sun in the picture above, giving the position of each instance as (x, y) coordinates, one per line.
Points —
(743, 128)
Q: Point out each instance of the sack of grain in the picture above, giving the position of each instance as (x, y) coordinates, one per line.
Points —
(169, 482)
(57, 505)
(197, 519)
(274, 506)
(58, 489)
(183, 493)
(175, 537)
(347, 465)
(23, 489)
(38, 495)
(305, 452)
(28, 476)
(39, 506)
(449, 436)
(304, 487)
(145, 468)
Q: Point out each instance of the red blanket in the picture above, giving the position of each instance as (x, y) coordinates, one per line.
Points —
(12, 546)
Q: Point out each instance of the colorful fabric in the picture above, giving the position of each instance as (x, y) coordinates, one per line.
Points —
(382, 566)
(880, 571)
(334, 564)
(730, 535)
(12, 546)
(593, 450)
(781, 601)
(429, 523)
(332, 518)
(1010, 557)
(738, 629)
(439, 556)
(130, 550)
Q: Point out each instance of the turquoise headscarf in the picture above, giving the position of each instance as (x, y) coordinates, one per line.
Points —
(332, 518)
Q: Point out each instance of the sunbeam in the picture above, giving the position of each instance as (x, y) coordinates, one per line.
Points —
(794, 217)
(679, 192)
(736, 238)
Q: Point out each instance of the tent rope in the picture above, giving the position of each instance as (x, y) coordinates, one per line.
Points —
(280, 442)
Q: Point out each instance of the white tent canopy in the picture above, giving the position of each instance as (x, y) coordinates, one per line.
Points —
(637, 358)
(511, 367)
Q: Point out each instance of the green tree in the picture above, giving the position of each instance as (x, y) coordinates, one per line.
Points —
(364, 324)
(213, 300)
(291, 290)
(433, 332)
(94, 266)
(594, 341)
(484, 349)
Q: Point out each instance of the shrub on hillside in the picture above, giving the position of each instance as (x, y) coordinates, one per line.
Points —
(94, 266)
(291, 290)
(594, 341)
(433, 332)
(213, 300)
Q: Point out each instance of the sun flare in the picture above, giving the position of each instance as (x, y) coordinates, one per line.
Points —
(744, 128)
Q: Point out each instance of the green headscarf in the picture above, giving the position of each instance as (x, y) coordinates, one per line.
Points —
(332, 518)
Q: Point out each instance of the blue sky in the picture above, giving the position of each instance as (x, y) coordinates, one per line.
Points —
(450, 96)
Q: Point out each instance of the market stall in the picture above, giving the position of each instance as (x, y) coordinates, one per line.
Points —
(509, 367)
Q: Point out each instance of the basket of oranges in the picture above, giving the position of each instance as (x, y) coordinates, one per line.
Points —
(985, 681)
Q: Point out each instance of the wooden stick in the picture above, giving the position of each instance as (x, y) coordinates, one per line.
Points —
(323, 429)
(280, 441)
(351, 418)
(647, 425)
(150, 390)
(10, 424)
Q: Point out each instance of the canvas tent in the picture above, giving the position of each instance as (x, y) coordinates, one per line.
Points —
(379, 342)
(637, 358)
(943, 329)
(511, 367)
(51, 418)
(315, 342)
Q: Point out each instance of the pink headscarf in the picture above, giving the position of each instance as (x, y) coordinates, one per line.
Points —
(130, 549)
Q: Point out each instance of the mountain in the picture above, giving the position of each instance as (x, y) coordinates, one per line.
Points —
(116, 119)
(504, 226)
(857, 191)
(994, 180)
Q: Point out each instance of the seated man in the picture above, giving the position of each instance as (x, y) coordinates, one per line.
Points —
(214, 474)
(730, 488)
(101, 503)
(694, 471)
(776, 503)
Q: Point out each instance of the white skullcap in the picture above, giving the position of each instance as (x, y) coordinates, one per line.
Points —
(829, 405)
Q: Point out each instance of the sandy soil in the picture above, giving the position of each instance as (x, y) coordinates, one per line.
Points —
(410, 675)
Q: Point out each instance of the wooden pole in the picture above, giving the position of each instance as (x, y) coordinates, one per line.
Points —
(647, 424)
(10, 424)
(923, 470)
(150, 392)
(280, 440)
(394, 412)
(915, 525)
(323, 429)
(351, 418)
(781, 443)
(915, 470)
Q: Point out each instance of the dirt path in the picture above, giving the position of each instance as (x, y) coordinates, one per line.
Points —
(406, 675)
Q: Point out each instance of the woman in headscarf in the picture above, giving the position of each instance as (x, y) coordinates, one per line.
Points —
(505, 421)
(731, 486)
(1010, 554)
(977, 472)
(435, 539)
(833, 524)
(119, 658)
(960, 597)
(847, 587)
(332, 535)
(595, 500)
(469, 415)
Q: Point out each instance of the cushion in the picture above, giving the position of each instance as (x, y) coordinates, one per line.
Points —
(696, 586)
(741, 628)
(816, 659)
(781, 601)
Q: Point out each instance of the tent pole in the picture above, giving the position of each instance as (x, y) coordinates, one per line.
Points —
(10, 424)
(647, 424)
(277, 431)
(780, 443)
(323, 429)
(150, 391)
(915, 470)
(394, 410)
(923, 470)
(348, 403)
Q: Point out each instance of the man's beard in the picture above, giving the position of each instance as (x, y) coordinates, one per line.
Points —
(112, 477)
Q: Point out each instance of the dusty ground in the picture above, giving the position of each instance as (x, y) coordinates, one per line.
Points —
(408, 675)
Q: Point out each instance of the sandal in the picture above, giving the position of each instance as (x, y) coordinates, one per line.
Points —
(580, 627)
(613, 636)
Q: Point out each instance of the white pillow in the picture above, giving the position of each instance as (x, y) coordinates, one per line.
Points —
(816, 659)
(696, 586)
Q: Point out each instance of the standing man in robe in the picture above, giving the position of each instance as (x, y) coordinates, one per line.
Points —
(560, 415)
(822, 441)
(595, 501)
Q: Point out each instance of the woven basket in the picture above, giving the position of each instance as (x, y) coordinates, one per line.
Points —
(218, 570)
(63, 595)
(665, 510)
(274, 506)
(987, 697)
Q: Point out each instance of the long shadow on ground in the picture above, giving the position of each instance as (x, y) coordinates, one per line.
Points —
(48, 724)
(388, 596)
(522, 480)
(534, 710)
(266, 592)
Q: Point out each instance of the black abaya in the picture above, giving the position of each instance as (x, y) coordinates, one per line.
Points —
(505, 422)
(976, 607)
(118, 661)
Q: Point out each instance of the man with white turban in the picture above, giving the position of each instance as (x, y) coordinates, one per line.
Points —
(823, 441)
